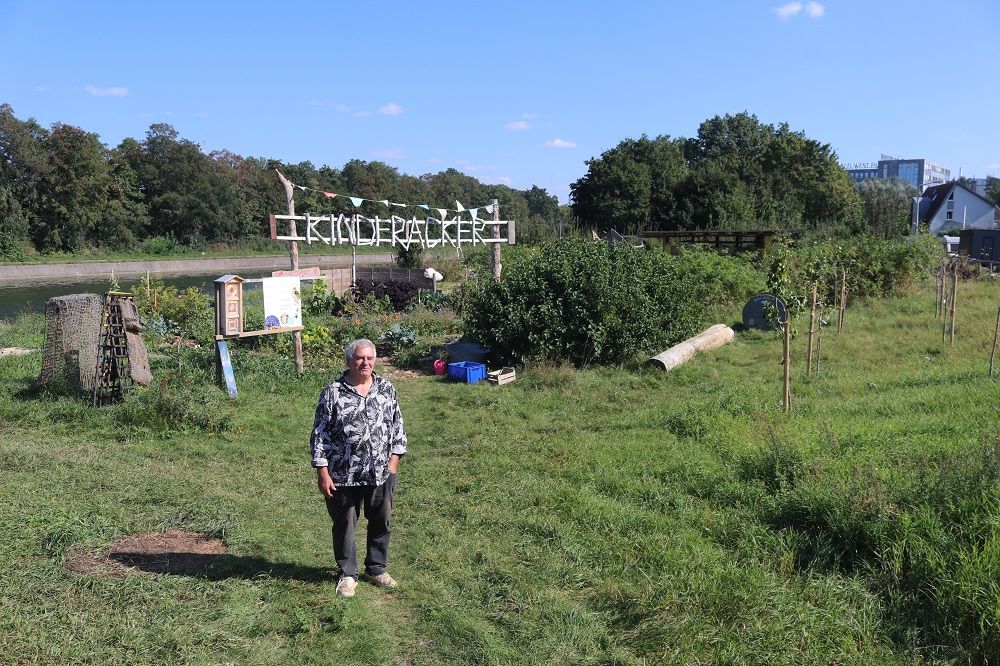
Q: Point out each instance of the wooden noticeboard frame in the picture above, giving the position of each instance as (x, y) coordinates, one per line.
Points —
(229, 317)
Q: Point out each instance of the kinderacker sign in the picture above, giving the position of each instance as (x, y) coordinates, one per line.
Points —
(361, 231)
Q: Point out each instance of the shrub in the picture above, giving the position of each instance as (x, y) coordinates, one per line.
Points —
(160, 245)
(323, 302)
(398, 292)
(722, 279)
(583, 302)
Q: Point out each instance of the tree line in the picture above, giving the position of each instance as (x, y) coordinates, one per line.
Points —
(62, 190)
(738, 173)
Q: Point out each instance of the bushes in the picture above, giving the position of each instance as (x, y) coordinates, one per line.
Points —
(875, 267)
(399, 293)
(583, 302)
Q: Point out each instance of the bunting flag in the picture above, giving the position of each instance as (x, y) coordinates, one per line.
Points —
(443, 212)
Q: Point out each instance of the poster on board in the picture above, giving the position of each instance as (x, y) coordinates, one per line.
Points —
(282, 302)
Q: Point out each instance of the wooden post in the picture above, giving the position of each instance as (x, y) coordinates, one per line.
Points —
(954, 297)
(944, 302)
(843, 301)
(293, 255)
(787, 362)
(495, 247)
(812, 329)
(996, 334)
(819, 343)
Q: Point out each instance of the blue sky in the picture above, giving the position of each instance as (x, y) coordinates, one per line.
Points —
(515, 92)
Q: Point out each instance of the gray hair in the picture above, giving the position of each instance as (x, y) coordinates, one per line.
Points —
(350, 351)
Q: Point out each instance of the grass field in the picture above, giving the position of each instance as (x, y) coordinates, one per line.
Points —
(604, 516)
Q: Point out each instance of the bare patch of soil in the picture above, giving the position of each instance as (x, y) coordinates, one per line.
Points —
(176, 552)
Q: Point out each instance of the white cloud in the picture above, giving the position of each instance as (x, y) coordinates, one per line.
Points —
(992, 165)
(107, 92)
(391, 154)
(529, 116)
(517, 125)
(558, 143)
(390, 109)
(815, 10)
(363, 114)
(504, 180)
(202, 114)
(343, 108)
(788, 10)
(42, 89)
(316, 102)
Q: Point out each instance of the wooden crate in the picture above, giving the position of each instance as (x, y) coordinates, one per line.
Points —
(501, 376)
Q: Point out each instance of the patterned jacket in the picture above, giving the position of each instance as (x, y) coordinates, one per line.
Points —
(354, 435)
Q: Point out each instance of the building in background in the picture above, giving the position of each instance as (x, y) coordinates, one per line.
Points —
(951, 207)
(920, 173)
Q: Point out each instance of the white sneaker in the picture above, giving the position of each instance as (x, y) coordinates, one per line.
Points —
(383, 580)
(346, 586)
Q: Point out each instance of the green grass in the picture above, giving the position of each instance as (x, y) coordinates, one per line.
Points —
(604, 516)
(263, 248)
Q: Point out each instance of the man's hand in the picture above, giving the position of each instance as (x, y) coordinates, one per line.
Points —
(393, 463)
(324, 482)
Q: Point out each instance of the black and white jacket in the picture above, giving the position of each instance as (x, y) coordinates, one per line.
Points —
(354, 435)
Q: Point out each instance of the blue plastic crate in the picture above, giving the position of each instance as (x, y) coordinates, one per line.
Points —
(467, 371)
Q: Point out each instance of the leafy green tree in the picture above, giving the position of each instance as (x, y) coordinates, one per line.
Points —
(887, 204)
(737, 173)
(76, 183)
(22, 170)
(630, 187)
(993, 189)
(187, 196)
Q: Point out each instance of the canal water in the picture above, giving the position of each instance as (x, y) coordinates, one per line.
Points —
(31, 296)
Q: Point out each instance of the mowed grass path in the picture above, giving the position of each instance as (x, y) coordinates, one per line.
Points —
(606, 516)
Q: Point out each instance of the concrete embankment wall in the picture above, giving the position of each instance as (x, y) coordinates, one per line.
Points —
(27, 272)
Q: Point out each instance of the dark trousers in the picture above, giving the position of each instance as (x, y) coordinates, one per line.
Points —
(345, 508)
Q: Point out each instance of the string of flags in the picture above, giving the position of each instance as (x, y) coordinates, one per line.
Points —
(357, 201)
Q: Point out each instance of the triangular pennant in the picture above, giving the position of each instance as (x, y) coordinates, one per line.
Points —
(489, 209)
(384, 202)
(458, 206)
(472, 212)
(356, 200)
(424, 206)
(443, 212)
(302, 187)
(330, 195)
(400, 205)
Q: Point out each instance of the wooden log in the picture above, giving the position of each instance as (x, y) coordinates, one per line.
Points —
(711, 338)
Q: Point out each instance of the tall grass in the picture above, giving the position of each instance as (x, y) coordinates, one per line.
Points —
(607, 516)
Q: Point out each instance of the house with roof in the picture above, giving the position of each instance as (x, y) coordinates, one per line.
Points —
(951, 207)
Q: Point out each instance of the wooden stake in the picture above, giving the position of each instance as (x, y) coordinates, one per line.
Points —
(819, 344)
(495, 247)
(996, 333)
(787, 362)
(954, 297)
(944, 303)
(843, 301)
(293, 255)
(812, 329)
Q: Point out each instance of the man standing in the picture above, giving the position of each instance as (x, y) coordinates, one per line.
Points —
(357, 441)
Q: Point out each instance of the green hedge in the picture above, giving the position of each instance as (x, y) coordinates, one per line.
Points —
(583, 302)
